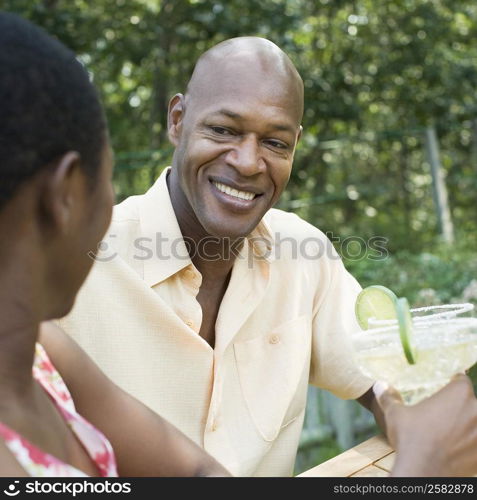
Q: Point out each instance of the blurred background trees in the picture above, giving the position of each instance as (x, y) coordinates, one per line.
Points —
(378, 77)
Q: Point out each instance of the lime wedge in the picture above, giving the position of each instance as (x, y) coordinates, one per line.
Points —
(405, 329)
(377, 302)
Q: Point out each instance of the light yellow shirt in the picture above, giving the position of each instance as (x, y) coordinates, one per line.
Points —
(282, 323)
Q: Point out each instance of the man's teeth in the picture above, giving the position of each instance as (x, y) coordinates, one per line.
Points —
(243, 195)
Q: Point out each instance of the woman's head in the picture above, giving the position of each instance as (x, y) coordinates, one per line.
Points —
(48, 106)
(55, 161)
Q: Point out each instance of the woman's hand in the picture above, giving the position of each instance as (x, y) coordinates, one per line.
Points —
(436, 437)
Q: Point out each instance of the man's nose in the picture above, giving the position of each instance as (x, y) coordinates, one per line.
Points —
(245, 156)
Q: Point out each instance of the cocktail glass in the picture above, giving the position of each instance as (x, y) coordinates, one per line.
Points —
(443, 347)
(428, 313)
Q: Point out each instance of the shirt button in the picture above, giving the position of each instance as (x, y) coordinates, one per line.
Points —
(261, 248)
(274, 339)
(190, 323)
(215, 423)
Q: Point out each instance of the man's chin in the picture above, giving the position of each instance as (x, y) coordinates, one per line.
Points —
(229, 231)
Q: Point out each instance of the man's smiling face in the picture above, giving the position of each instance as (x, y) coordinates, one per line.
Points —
(235, 136)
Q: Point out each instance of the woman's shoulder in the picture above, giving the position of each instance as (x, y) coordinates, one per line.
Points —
(9, 466)
(56, 358)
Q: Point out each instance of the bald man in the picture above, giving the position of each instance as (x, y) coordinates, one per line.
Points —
(210, 306)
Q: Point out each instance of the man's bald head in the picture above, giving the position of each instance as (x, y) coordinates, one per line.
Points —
(237, 127)
(247, 58)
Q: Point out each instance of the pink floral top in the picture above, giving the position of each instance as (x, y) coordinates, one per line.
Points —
(38, 463)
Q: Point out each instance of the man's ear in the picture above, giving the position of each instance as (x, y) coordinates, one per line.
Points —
(63, 184)
(300, 131)
(175, 115)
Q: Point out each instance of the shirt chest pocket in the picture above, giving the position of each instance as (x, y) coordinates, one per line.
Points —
(273, 371)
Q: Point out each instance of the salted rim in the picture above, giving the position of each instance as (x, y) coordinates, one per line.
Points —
(449, 312)
(420, 325)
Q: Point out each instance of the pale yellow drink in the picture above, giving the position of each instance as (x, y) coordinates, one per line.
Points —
(443, 348)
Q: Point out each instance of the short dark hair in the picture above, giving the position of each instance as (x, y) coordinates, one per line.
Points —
(48, 105)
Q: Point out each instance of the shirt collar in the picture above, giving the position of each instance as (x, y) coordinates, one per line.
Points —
(262, 242)
(160, 229)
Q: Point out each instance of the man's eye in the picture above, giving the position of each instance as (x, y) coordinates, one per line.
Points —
(277, 144)
(221, 130)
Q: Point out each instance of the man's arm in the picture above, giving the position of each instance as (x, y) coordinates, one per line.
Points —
(144, 443)
(369, 401)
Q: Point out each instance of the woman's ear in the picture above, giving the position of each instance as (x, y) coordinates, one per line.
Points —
(63, 185)
(175, 115)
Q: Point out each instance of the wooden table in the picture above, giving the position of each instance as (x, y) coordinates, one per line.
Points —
(372, 458)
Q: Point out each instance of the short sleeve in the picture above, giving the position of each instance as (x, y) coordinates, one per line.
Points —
(332, 364)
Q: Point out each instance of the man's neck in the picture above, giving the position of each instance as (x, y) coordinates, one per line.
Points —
(213, 256)
(215, 259)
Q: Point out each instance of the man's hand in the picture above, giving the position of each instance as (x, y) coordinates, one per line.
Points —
(436, 437)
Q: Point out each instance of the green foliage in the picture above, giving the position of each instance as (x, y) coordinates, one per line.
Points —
(441, 275)
(375, 74)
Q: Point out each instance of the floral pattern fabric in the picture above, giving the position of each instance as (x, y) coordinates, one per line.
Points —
(40, 464)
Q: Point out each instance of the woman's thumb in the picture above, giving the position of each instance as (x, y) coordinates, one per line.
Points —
(386, 396)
